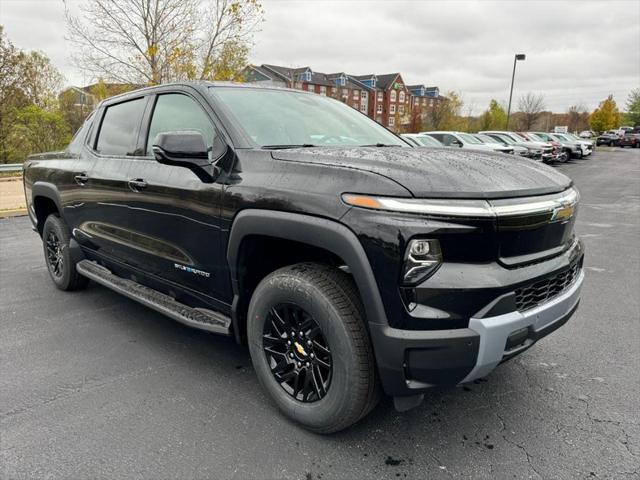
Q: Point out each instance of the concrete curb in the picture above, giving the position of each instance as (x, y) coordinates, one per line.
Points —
(16, 212)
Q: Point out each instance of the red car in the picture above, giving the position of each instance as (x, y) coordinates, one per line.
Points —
(630, 139)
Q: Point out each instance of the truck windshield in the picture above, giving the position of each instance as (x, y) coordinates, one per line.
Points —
(283, 119)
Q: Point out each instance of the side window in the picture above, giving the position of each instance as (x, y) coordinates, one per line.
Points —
(175, 112)
(75, 147)
(119, 131)
(447, 139)
(438, 136)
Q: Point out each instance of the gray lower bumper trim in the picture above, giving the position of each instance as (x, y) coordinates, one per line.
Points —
(494, 331)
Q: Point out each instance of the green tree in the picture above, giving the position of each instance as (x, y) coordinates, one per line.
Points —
(606, 116)
(632, 116)
(445, 114)
(36, 130)
(29, 118)
(494, 118)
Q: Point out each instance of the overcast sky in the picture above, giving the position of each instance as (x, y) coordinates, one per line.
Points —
(577, 52)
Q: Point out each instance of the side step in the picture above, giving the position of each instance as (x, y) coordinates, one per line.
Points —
(194, 317)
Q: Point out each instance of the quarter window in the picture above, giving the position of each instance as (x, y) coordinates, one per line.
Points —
(119, 129)
(175, 112)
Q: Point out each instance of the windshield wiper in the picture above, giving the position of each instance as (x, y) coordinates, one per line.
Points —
(380, 145)
(282, 147)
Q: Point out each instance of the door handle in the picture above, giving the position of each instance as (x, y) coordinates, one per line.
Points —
(137, 184)
(81, 178)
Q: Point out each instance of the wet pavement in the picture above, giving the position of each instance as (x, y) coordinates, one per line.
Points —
(93, 385)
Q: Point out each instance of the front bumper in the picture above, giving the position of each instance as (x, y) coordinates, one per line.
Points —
(409, 361)
(504, 336)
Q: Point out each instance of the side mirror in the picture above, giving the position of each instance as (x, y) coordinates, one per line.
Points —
(456, 143)
(181, 148)
(189, 149)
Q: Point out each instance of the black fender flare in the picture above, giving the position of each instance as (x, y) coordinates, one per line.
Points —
(318, 232)
(46, 190)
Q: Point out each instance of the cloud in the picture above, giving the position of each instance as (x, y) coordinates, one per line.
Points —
(577, 52)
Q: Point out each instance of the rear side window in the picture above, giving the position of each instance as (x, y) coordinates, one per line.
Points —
(175, 112)
(80, 137)
(119, 131)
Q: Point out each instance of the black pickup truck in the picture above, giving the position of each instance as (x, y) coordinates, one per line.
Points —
(350, 263)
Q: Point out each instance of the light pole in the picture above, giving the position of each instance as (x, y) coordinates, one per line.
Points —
(519, 56)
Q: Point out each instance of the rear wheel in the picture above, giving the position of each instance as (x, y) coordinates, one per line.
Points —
(310, 347)
(60, 263)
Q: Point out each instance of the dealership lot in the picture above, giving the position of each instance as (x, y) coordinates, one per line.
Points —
(95, 385)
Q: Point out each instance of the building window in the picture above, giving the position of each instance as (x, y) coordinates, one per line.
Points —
(379, 109)
(364, 95)
(356, 94)
(424, 101)
(392, 121)
(379, 96)
(401, 97)
(392, 109)
(323, 90)
(431, 103)
(310, 88)
(363, 107)
(401, 109)
(392, 96)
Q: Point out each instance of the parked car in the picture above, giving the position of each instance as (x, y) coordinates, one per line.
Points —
(487, 140)
(537, 150)
(465, 140)
(343, 258)
(558, 152)
(587, 145)
(572, 148)
(587, 134)
(610, 138)
(418, 140)
(630, 139)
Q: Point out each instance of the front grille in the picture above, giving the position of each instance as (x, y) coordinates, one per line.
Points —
(542, 291)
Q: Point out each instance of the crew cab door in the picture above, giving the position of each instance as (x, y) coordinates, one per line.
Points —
(173, 216)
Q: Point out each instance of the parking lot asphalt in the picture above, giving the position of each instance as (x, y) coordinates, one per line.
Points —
(93, 385)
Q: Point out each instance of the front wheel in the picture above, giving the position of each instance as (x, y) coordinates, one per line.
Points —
(310, 347)
(60, 263)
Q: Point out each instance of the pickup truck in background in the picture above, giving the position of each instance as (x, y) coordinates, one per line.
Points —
(350, 263)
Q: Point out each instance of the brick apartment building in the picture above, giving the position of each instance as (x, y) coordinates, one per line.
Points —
(385, 98)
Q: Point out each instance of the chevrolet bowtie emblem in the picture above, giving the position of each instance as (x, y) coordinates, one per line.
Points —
(300, 349)
(563, 213)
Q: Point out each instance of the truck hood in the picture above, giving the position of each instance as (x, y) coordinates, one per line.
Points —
(441, 172)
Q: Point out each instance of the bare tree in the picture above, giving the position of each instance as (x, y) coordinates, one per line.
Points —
(155, 41)
(577, 118)
(532, 107)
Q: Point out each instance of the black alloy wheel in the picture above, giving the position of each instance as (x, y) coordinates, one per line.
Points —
(55, 258)
(297, 353)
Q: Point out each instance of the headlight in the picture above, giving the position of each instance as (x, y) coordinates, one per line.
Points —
(421, 259)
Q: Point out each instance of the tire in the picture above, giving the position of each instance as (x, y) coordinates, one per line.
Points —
(328, 299)
(60, 264)
(611, 144)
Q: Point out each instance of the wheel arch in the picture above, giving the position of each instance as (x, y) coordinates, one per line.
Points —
(46, 200)
(319, 234)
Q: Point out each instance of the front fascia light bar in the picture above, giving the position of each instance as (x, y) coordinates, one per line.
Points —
(464, 208)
